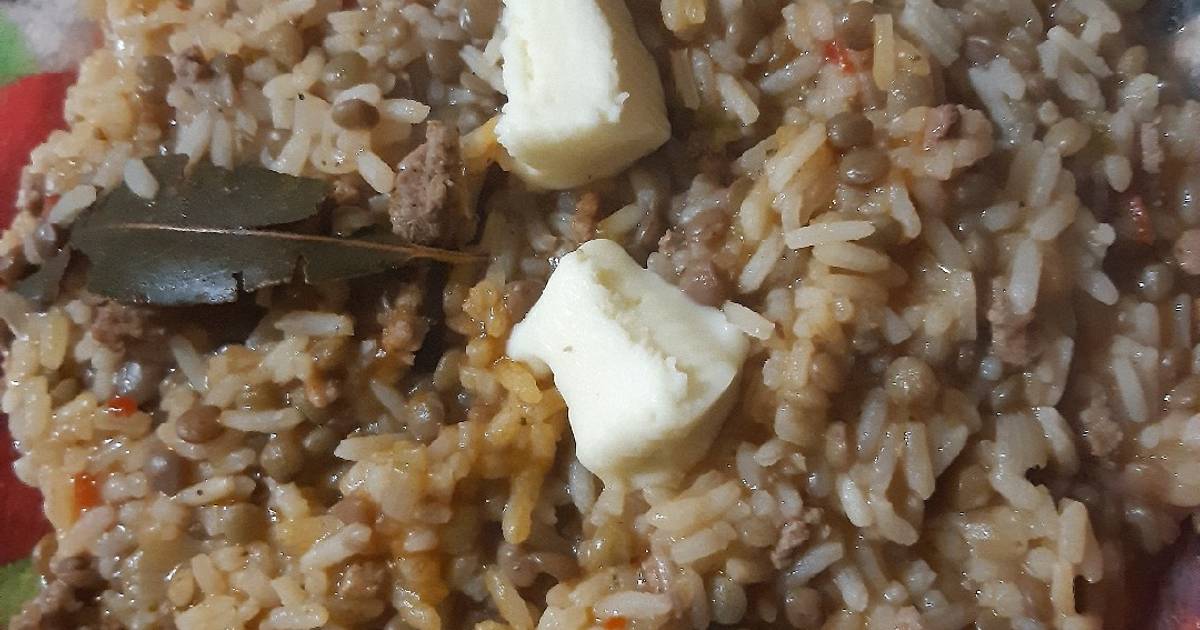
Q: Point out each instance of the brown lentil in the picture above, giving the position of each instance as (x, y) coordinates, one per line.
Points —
(281, 458)
(520, 295)
(12, 267)
(240, 523)
(362, 580)
(849, 129)
(345, 70)
(199, 425)
(230, 66)
(1185, 395)
(910, 381)
(164, 471)
(479, 17)
(855, 28)
(393, 31)
(43, 553)
(908, 91)
(1133, 61)
(1187, 252)
(863, 166)
(320, 441)
(355, 114)
(1022, 52)
(1187, 195)
(705, 283)
(284, 44)
(1007, 394)
(980, 49)
(887, 233)
(257, 397)
(973, 190)
(47, 240)
(1128, 6)
(138, 380)
(426, 417)
(275, 141)
(77, 572)
(442, 58)
(352, 510)
(1155, 281)
(154, 75)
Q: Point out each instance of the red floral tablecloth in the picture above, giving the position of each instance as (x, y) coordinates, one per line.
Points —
(32, 110)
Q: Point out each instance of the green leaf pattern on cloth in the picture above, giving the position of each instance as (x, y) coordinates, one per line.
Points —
(18, 584)
(15, 59)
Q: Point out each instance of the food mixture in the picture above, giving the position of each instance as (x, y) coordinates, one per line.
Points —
(609, 313)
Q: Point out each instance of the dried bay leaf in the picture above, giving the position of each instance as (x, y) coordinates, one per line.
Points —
(196, 265)
(212, 233)
(42, 286)
(210, 197)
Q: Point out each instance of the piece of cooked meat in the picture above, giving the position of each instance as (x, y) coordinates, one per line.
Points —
(427, 205)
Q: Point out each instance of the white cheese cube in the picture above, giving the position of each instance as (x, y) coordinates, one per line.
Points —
(584, 96)
(647, 374)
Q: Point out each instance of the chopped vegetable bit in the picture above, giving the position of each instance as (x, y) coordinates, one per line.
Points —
(839, 54)
(1143, 228)
(616, 623)
(121, 406)
(87, 492)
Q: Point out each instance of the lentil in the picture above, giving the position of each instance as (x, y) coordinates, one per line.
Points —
(77, 572)
(479, 17)
(199, 425)
(154, 75)
(164, 471)
(320, 441)
(260, 396)
(355, 114)
(345, 70)
(1185, 395)
(1187, 195)
(910, 381)
(138, 380)
(1155, 281)
(863, 166)
(1187, 252)
(908, 91)
(362, 580)
(443, 60)
(352, 510)
(281, 458)
(12, 267)
(980, 49)
(230, 66)
(849, 129)
(426, 417)
(47, 240)
(284, 44)
(973, 191)
(855, 29)
(705, 283)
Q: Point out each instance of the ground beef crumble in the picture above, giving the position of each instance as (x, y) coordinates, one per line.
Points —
(1010, 332)
(403, 326)
(59, 606)
(426, 205)
(586, 216)
(114, 325)
(793, 535)
(1100, 432)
